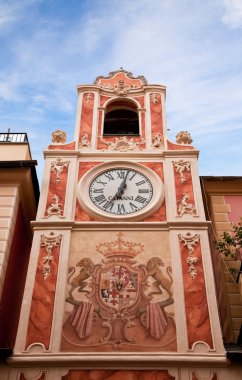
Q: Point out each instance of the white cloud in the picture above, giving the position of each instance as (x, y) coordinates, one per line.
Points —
(13, 10)
(233, 13)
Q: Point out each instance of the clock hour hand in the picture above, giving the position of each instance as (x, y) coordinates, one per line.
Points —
(121, 188)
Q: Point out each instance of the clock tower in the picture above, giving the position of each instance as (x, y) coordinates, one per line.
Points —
(120, 282)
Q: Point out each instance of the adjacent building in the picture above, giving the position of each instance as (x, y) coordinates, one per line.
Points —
(19, 193)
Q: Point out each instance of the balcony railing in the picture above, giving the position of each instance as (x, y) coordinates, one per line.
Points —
(11, 137)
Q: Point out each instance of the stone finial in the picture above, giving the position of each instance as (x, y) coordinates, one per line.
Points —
(59, 137)
(183, 137)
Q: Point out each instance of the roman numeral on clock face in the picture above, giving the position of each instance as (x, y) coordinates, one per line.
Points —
(143, 191)
(101, 183)
(140, 199)
(132, 176)
(121, 174)
(100, 199)
(121, 209)
(97, 191)
(140, 183)
(109, 176)
(133, 207)
(108, 206)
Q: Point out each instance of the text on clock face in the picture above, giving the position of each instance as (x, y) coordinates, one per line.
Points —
(121, 191)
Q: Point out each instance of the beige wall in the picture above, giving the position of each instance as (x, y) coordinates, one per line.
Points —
(14, 152)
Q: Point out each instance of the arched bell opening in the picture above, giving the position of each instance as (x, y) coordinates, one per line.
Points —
(121, 119)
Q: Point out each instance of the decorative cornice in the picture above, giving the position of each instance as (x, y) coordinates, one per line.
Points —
(121, 70)
(128, 360)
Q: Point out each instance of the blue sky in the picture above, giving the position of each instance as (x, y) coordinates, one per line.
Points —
(194, 47)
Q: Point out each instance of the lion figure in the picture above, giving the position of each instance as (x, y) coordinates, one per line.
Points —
(86, 270)
(161, 282)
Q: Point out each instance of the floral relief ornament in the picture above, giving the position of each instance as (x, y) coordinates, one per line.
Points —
(88, 97)
(58, 166)
(185, 207)
(123, 144)
(180, 167)
(189, 242)
(156, 141)
(120, 88)
(154, 98)
(49, 242)
(84, 143)
(54, 208)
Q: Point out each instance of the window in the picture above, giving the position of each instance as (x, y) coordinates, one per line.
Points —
(121, 119)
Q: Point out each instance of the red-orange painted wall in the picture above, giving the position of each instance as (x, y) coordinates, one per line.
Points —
(118, 375)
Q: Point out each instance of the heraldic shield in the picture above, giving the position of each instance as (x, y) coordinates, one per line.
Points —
(112, 306)
(118, 287)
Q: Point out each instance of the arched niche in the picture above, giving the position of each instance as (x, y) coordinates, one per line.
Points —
(121, 118)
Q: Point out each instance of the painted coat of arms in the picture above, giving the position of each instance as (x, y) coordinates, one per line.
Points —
(118, 303)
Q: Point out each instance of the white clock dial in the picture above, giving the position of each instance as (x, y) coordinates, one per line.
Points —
(121, 191)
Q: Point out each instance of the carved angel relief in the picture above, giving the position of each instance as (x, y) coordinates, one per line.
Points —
(122, 143)
(118, 303)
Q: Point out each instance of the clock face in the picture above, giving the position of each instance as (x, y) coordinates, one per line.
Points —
(121, 191)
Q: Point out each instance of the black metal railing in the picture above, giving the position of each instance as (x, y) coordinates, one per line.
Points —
(11, 137)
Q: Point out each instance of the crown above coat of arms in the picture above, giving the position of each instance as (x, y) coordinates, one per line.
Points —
(120, 247)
